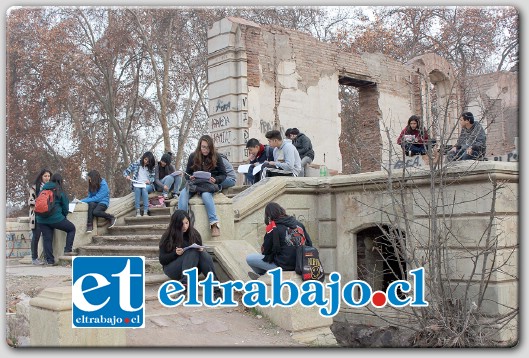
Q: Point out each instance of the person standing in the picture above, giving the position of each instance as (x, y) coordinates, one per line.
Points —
(206, 159)
(286, 157)
(57, 220)
(98, 200)
(175, 258)
(43, 177)
(142, 174)
(304, 147)
(472, 141)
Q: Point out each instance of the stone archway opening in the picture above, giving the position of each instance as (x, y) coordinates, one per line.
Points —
(380, 256)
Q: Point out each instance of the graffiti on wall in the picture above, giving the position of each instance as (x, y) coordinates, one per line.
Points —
(18, 244)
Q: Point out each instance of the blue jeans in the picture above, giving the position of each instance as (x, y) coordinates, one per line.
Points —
(142, 192)
(227, 183)
(255, 261)
(169, 180)
(207, 199)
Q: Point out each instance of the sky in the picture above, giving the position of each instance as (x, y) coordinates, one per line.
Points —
(523, 347)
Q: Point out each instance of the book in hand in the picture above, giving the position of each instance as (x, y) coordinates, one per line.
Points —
(202, 175)
(177, 173)
(194, 246)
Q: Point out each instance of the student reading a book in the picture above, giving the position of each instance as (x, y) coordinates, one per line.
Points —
(98, 200)
(142, 174)
(205, 159)
(175, 258)
(167, 177)
(258, 154)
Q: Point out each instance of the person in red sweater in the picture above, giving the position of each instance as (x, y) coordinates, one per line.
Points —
(414, 138)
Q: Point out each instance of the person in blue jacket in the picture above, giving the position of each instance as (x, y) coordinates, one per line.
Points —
(57, 220)
(98, 200)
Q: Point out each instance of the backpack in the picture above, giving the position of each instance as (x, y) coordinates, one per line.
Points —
(308, 263)
(45, 203)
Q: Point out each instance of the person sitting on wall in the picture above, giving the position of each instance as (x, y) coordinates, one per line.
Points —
(304, 147)
(472, 141)
(231, 175)
(98, 200)
(166, 177)
(286, 157)
(258, 154)
(414, 139)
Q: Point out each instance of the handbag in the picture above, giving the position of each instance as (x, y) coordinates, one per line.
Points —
(308, 263)
(156, 202)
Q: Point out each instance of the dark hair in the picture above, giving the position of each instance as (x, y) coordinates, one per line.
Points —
(57, 179)
(167, 158)
(94, 184)
(173, 236)
(273, 134)
(468, 116)
(208, 162)
(273, 211)
(417, 119)
(152, 161)
(38, 180)
(294, 131)
(252, 142)
(288, 132)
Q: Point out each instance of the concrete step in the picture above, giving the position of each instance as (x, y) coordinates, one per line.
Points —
(160, 211)
(131, 239)
(140, 229)
(150, 251)
(146, 220)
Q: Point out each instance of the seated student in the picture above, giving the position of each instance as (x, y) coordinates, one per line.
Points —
(472, 141)
(277, 249)
(98, 200)
(231, 176)
(414, 138)
(139, 172)
(304, 147)
(205, 158)
(165, 178)
(286, 157)
(259, 153)
(180, 234)
(57, 220)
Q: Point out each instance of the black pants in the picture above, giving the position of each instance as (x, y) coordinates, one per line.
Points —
(272, 171)
(97, 210)
(47, 235)
(36, 232)
(189, 259)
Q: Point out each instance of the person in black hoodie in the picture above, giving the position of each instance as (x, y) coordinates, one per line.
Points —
(166, 176)
(304, 147)
(277, 250)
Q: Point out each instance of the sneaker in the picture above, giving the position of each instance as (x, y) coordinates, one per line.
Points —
(37, 262)
(215, 231)
(70, 253)
(253, 275)
(165, 196)
(52, 263)
(138, 212)
(111, 222)
(148, 213)
(89, 228)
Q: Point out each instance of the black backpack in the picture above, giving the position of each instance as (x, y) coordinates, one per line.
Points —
(308, 263)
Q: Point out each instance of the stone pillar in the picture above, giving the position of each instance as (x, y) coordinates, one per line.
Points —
(51, 324)
(305, 323)
(228, 91)
(224, 208)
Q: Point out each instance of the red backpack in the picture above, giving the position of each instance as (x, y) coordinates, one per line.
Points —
(45, 203)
